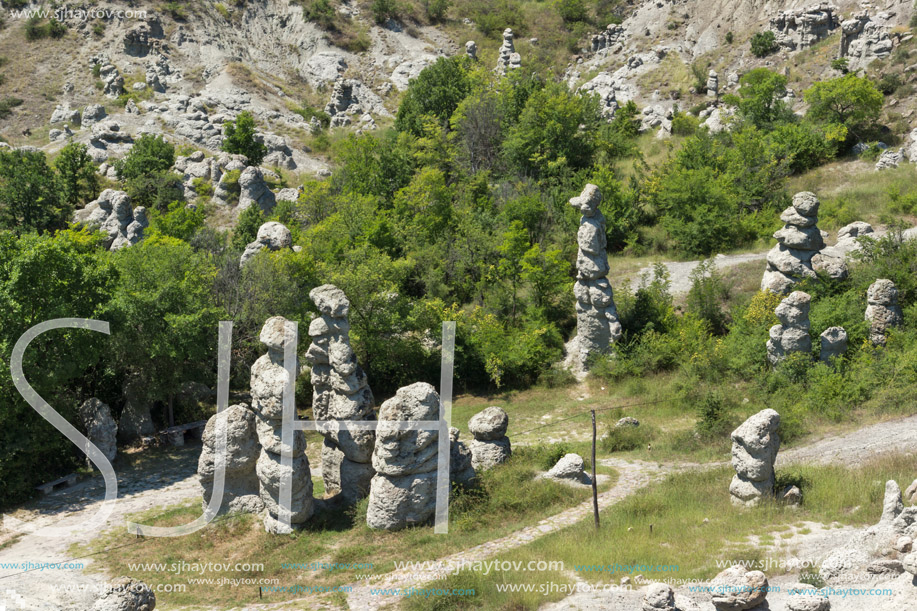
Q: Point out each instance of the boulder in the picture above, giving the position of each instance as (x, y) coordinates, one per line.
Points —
(126, 594)
(101, 428)
(910, 494)
(804, 597)
(798, 29)
(241, 487)
(272, 236)
(254, 191)
(833, 344)
(570, 467)
(490, 446)
(659, 597)
(736, 589)
(754, 450)
(489, 425)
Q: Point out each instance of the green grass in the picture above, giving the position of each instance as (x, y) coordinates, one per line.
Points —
(509, 498)
(676, 509)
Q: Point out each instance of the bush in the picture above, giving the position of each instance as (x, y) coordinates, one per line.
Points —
(684, 124)
(707, 295)
(889, 83)
(436, 9)
(626, 438)
(79, 181)
(729, 38)
(763, 44)
(7, 105)
(176, 10)
(435, 93)
(36, 30)
(544, 455)
(571, 11)
(712, 415)
(307, 112)
(384, 10)
(149, 155)
(239, 139)
(841, 64)
(321, 12)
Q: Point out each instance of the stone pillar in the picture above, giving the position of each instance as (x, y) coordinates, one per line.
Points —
(754, 449)
(490, 446)
(792, 334)
(471, 50)
(833, 344)
(713, 84)
(882, 311)
(241, 487)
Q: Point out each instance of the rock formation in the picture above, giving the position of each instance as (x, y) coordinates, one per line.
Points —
(805, 597)
(268, 379)
(605, 87)
(351, 98)
(460, 469)
(659, 597)
(597, 325)
(736, 589)
(241, 488)
(111, 213)
(754, 449)
(882, 311)
(863, 41)
(471, 50)
(833, 344)
(571, 468)
(340, 392)
(135, 421)
(101, 428)
(797, 254)
(507, 58)
(125, 594)
(792, 334)
(253, 190)
(92, 114)
(801, 28)
(612, 39)
(889, 160)
(112, 81)
(910, 494)
(403, 490)
(273, 236)
(490, 446)
(713, 84)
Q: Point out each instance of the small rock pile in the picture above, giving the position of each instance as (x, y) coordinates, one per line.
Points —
(403, 490)
(736, 589)
(864, 41)
(340, 392)
(507, 58)
(571, 468)
(713, 84)
(268, 380)
(798, 252)
(101, 428)
(241, 487)
(272, 236)
(833, 344)
(111, 213)
(882, 311)
(490, 446)
(792, 334)
(754, 450)
(799, 29)
(597, 323)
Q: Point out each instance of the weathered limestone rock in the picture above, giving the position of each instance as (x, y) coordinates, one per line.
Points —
(597, 323)
(403, 490)
(863, 41)
(340, 392)
(833, 344)
(254, 190)
(892, 504)
(471, 50)
(490, 446)
(272, 236)
(113, 82)
(754, 449)
(135, 421)
(460, 469)
(889, 160)
(611, 39)
(605, 86)
(713, 84)
(627, 421)
(736, 589)
(268, 380)
(112, 214)
(799, 243)
(910, 495)
(126, 594)
(659, 597)
(351, 98)
(909, 563)
(92, 114)
(804, 597)
(882, 311)
(64, 114)
(101, 428)
(570, 467)
(792, 334)
(801, 28)
(241, 487)
(507, 58)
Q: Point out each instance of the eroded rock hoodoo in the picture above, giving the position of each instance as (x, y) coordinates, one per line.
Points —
(490, 446)
(340, 392)
(101, 428)
(241, 489)
(272, 236)
(754, 449)
(507, 58)
(792, 334)
(597, 325)
(882, 311)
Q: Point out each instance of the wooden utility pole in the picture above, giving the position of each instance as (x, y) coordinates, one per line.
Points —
(595, 490)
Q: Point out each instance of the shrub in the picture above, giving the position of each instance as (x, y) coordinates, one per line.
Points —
(706, 296)
(179, 221)
(321, 12)
(729, 38)
(176, 10)
(436, 9)
(7, 105)
(239, 139)
(625, 438)
(222, 10)
(436, 92)
(202, 187)
(571, 11)
(79, 181)
(149, 155)
(98, 29)
(544, 455)
(307, 112)
(889, 83)
(712, 415)
(841, 64)
(383, 10)
(684, 124)
(763, 44)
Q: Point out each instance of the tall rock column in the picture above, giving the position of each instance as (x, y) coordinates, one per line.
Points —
(882, 311)
(597, 325)
(754, 450)
(792, 334)
(340, 392)
(507, 57)
(269, 377)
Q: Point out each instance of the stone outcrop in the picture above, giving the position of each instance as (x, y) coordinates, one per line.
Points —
(340, 392)
(754, 449)
(268, 379)
(659, 597)
(570, 467)
(889, 160)
(111, 213)
(403, 490)
(101, 428)
(604, 86)
(863, 41)
(910, 494)
(833, 344)
(804, 597)
(848, 235)
(113, 82)
(610, 40)
(713, 84)
(126, 594)
(490, 446)
(798, 253)
(737, 589)
(597, 326)
(882, 311)
(92, 114)
(241, 488)
(507, 58)
(799, 29)
(135, 421)
(64, 114)
(461, 470)
(272, 236)
(792, 334)
(351, 99)
(254, 191)
(471, 50)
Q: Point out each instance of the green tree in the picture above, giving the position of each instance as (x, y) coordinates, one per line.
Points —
(151, 154)
(548, 273)
(375, 164)
(850, 102)
(239, 139)
(250, 220)
(762, 92)
(571, 11)
(764, 43)
(512, 252)
(79, 181)
(179, 221)
(436, 92)
(29, 198)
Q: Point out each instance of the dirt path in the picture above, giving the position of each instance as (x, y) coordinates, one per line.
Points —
(853, 448)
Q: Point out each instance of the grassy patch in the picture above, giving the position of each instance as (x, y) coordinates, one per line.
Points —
(676, 509)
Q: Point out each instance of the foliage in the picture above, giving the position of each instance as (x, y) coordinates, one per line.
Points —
(239, 139)
(7, 104)
(571, 11)
(436, 9)
(29, 199)
(436, 92)
(250, 220)
(384, 10)
(707, 295)
(762, 92)
(35, 28)
(763, 44)
(79, 180)
(149, 154)
(841, 64)
(179, 221)
(850, 103)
